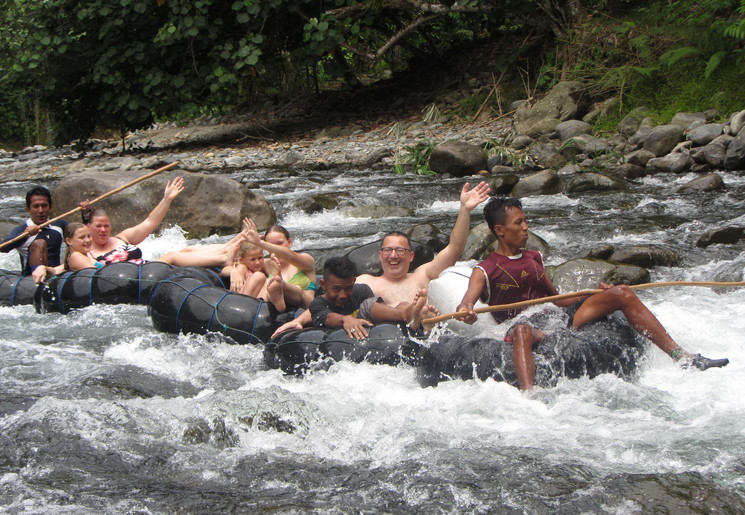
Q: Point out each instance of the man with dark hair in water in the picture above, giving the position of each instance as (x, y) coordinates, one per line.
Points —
(354, 307)
(514, 274)
(42, 246)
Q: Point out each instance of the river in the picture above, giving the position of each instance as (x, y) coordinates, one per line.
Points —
(99, 413)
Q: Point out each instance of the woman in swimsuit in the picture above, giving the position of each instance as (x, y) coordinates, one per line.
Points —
(297, 269)
(123, 247)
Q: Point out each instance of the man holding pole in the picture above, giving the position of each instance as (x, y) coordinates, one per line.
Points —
(42, 245)
(512, 274)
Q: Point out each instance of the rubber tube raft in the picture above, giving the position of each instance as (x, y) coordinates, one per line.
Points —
(16, 290)
(118, 283)
(605, 346)
(187, 305)
(296, 351)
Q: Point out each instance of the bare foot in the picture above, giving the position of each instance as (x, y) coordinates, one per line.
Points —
(429, 311)
(414, 310)
(231, 250)
(275, 293)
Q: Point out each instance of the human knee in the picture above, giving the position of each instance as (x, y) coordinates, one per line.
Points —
(624, 293)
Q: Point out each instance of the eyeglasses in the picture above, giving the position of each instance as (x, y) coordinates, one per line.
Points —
(400, 251)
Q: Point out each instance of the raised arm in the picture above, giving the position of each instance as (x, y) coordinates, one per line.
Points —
(302, 261)
(469, 199)
(137, 234)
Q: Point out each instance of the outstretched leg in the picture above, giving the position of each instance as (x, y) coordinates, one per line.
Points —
(643, 320)
(524, 337)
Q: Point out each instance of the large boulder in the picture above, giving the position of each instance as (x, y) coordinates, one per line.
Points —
(591, 181)
(705, 134)
(457, 158)
(645, 255)
(671, 163)
(565, 101)
(632, 121)
(663, 138)
(729, 234)
(684, 120)
(367, 261)
(709, 182)
(712, 154)
(542, 183)
(209, 204)
(735, 157)
(571, 128)
(584, 274)
(546, 156)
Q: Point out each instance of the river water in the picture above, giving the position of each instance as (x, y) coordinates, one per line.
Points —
(99, 413)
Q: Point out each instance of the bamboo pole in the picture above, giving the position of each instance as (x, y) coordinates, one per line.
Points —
(97, 199)
(583, 293)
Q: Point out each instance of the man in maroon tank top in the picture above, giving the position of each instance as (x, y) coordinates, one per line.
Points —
(513, 274)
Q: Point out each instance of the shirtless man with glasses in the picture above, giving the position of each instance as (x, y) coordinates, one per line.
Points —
(397, 284)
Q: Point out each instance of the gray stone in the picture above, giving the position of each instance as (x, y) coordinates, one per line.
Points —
(582, 182)
(639, 157)
(628, 171)
(601, 109)
(726, 235)
(457, 158)
(547, 156)
(521, 142)
(645, 255)
(565, 101)
(662, 139)
(736, 122)
(542, 183)
(429, 235)
(542, 127)
(637, 139)
(710, 182)
(704, 134)
(700, 168)
(632, 121)
(684, 120)
(503, 183)
(735, 156)
(671, 163)
(586, 274)
(571, 128)
(602, 251)
(209, 204)
(712, 154)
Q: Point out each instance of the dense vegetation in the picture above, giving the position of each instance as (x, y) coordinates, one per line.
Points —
(69, 67)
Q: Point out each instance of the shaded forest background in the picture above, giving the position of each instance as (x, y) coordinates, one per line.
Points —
(71, 69)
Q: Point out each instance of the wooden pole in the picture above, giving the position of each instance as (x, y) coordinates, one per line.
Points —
(97, 199)
(583, 293)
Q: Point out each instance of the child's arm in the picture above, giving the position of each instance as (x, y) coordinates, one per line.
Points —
(78, 261)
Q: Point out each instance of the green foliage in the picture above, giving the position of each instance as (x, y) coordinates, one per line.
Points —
(415, 158)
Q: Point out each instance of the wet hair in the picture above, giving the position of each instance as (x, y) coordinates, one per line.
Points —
(341, 267)
(495, 210)
(397, 233)
(279, 229)
(70, 231)
(40, 191)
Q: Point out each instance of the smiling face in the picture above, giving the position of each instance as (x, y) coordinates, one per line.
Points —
(395, 256)
(100, 228)
(38, 209)
(80, 240)
(338, 290)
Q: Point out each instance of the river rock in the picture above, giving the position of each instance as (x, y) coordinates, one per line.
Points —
(209, 204)
(481, 242)
(602, 251)
(457, 158)
(671, 163)
(521, 141)
(585, 274)
(736, 122)
(367, 261)
(564, 101)
(639, 157)
(663, 138)
(429, 235)
(645, 255)
(684, 120)
(317, 203)
(591, 181)
(632, 121)
(628, 171)
(710, 182)
(546, 156)
(705, 134)
(712, 154)
(637, 139)
(586, 144)
(542, 183)
(730, 234)
(735, 157)
(571, 128)
(503, 183)
(601, 109)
